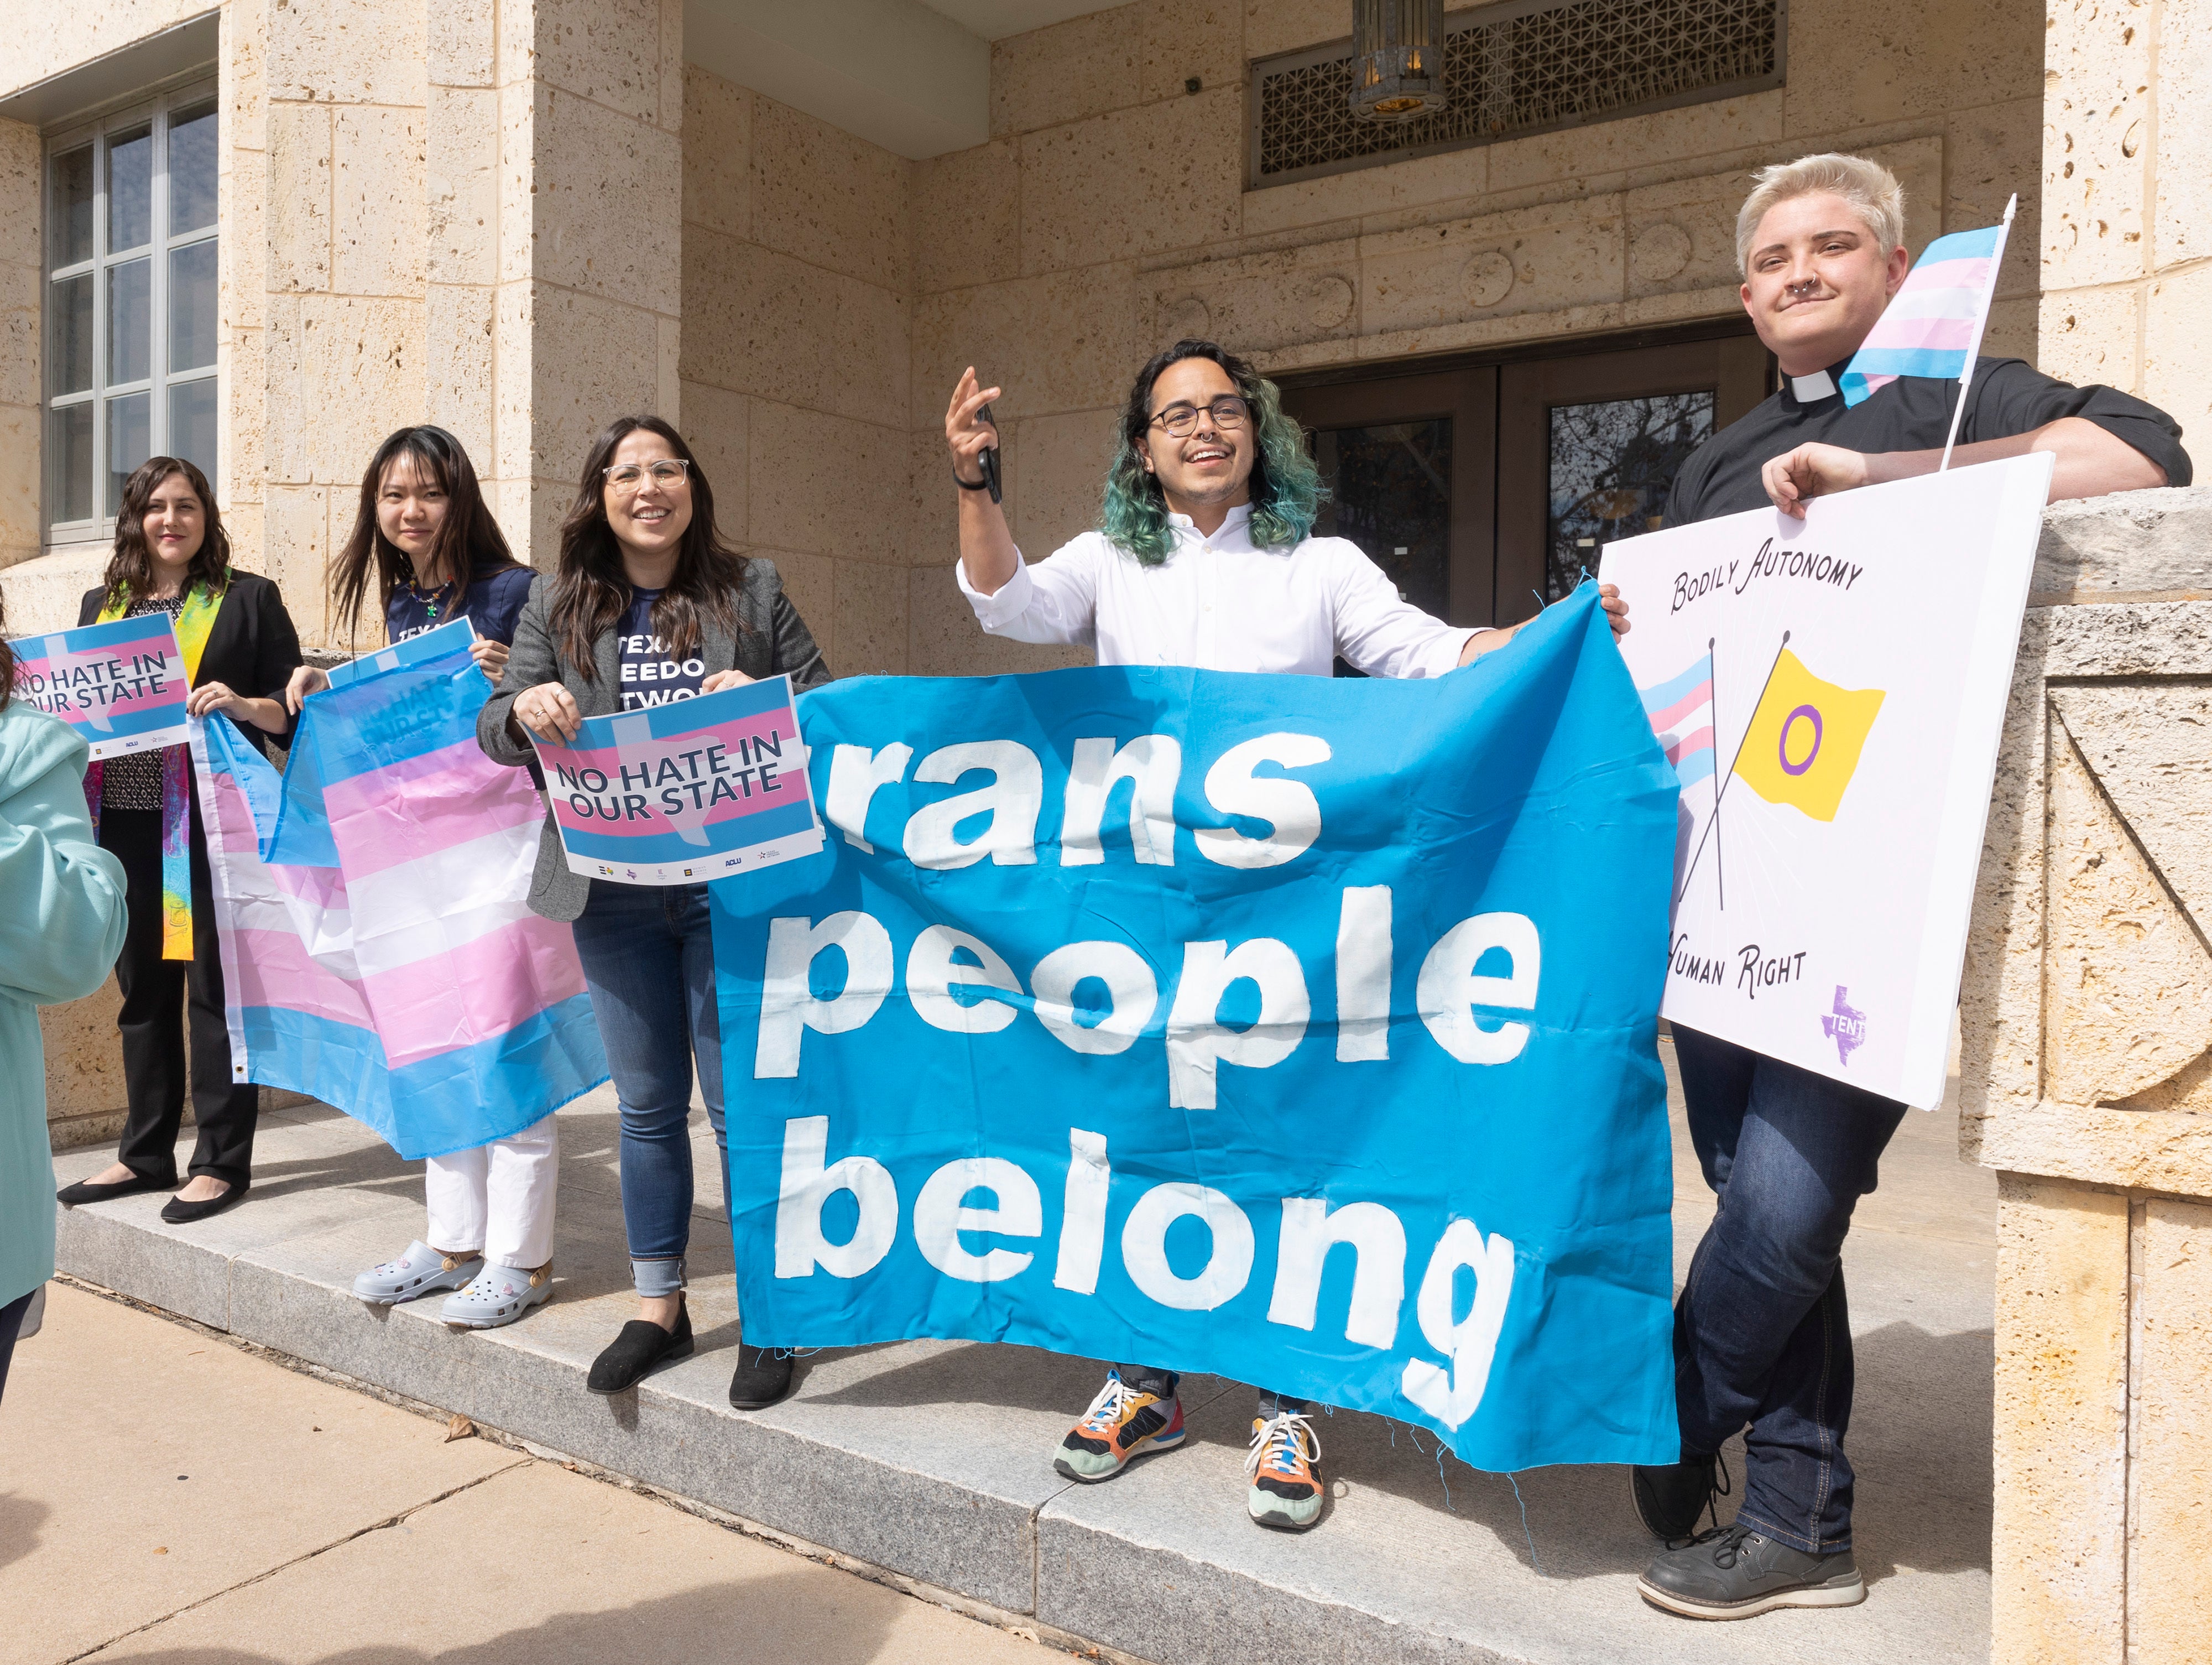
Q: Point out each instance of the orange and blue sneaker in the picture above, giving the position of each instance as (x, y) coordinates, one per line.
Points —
(1285, 1490)
(1122, 1424)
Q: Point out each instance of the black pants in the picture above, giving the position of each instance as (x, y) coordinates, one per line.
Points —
(11, 1323)
(154, 992)
(1150, 1379)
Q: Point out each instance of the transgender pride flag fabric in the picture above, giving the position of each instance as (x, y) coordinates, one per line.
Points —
(378, 951)
(1681, 713)
(1933, 324)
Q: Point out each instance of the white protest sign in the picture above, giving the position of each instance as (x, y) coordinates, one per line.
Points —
(1830, 691)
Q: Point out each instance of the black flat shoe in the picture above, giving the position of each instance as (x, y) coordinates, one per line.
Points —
(179, 1213)
(642, 1347)
(84, 1191)
(763, 1377)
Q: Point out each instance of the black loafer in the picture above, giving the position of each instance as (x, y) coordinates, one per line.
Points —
(1670, 1497)
(763, 1376)
(84, 1191)
(642, 1347)
(179, 1213)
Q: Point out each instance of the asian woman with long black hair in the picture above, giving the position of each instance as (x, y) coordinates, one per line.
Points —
(425, 539)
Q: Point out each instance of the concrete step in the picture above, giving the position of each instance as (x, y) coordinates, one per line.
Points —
(931, 1459)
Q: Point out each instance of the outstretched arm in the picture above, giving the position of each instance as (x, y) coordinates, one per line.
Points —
(2091, 462)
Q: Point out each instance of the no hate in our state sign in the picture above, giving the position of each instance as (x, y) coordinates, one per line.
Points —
(687, 792)
(1831, 692)
(121, 685)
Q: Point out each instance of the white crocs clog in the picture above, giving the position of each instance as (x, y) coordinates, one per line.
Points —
(499, 1295)
(421, 1270)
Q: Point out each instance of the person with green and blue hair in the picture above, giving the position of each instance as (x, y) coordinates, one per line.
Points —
(1204, 557)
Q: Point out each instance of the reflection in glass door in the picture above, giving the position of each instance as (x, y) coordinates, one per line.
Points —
(1390, 493)
(1613, 464)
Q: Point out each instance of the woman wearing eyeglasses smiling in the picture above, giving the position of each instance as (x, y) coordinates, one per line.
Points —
(647, 605)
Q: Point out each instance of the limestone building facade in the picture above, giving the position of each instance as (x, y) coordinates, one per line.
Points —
(788, 228)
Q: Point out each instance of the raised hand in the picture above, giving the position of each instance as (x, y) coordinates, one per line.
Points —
(967, 436)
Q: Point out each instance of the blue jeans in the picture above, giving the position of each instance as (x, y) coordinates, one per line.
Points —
(648, 957)
(1762, 1336)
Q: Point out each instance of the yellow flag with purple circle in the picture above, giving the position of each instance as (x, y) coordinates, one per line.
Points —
(1804, 740)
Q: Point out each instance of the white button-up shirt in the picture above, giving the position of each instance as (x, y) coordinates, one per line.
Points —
(1220, 604)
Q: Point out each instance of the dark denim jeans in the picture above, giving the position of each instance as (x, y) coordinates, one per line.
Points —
(649, 956)
(1762, 1336)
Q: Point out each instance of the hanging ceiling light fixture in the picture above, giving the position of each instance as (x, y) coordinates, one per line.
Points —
(1397, 59)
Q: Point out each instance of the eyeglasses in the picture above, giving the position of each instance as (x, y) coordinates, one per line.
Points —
(1181, 419)
(667, 473)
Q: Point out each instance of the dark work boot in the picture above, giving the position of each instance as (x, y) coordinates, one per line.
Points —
(1734, 1572)
(1670, 1497)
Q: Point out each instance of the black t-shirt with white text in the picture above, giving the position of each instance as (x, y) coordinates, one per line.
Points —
(650, 674)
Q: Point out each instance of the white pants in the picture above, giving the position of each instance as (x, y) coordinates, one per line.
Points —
(497, 1200)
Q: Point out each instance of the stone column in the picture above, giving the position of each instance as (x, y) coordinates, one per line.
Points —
(21, 280)
(2086, 1080)
(2127, 199)
(590, 212)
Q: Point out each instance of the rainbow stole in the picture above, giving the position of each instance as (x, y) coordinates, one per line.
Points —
(194, 623)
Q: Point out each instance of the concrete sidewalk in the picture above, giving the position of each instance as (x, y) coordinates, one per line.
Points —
(170, 1496)
(931, 1459)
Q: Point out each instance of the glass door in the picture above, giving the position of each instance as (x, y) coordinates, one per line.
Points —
(1588, 448)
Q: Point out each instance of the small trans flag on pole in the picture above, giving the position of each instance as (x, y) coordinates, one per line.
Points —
(1933, 324)
(1681, 713)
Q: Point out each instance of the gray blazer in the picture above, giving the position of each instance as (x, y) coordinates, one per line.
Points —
(777, 641)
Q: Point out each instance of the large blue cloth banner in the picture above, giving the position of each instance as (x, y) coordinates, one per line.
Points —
(1297, 1030)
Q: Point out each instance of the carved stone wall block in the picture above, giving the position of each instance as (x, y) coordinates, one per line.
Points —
(2127, 975)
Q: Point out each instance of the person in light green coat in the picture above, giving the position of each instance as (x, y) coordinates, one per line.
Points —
(61, 926)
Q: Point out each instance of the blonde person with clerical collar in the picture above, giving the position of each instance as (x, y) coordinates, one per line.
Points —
(1762, 1337)
(172, 556)
(1204, 559)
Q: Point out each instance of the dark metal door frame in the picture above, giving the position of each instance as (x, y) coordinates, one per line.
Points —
(1469, 399)
(1499, 404)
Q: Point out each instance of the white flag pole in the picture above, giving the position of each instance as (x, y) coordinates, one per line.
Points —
(1981, 323)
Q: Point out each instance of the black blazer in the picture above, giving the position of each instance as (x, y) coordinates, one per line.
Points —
(252, 649)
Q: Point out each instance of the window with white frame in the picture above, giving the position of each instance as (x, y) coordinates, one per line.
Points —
(130, 303)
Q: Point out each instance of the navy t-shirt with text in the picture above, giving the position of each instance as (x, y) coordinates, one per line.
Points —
(493, 603)
(650, 674)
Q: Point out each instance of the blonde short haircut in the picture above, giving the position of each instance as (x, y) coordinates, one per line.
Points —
(1871, 190)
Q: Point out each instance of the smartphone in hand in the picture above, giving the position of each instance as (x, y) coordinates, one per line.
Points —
(989, 457)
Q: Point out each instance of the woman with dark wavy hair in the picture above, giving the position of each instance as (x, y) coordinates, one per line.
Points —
(1203, 557)
(647, 605)
(172, 556)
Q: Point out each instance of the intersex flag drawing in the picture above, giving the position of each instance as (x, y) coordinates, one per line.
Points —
(1681, 713)
(1803, 742)
(378, 950)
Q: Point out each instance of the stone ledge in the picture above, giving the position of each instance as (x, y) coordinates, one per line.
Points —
(2132, 545)
(929, 1459)
(2162, 1150)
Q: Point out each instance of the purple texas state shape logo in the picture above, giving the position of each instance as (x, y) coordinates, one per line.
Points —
(1846, 1026)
